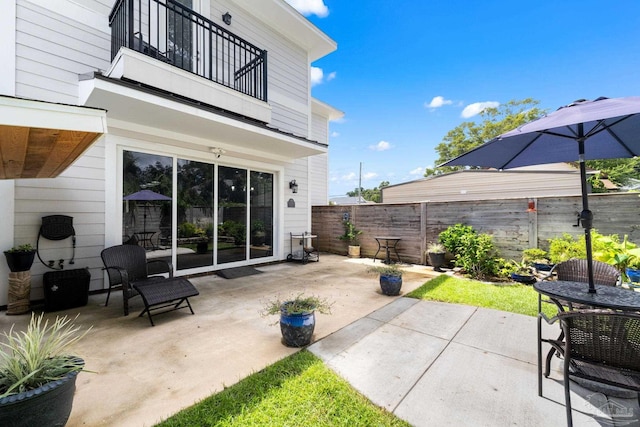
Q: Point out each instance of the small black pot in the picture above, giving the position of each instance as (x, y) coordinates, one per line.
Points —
(47, 405)
(523, 278)
(437, 260)
(20, 260)
(390, 285)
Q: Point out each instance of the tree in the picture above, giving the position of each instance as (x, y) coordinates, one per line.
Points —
(495, 121)
(618, 171)
(373, 195)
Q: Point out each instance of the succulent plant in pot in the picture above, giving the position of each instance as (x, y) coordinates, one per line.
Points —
(297, 317)
(37, 375)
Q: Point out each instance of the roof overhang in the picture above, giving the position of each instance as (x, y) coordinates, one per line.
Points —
(41, 139)
(205, 127)
(284, 19)
(325, 110)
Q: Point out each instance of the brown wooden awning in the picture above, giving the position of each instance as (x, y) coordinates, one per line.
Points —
(41, 139)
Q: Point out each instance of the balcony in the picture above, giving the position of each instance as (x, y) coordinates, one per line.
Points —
(186, 48)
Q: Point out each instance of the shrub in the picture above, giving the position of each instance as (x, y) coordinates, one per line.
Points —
(452, 237)
(478, 257)
(533, 255)
(566, 247)
(187, 229)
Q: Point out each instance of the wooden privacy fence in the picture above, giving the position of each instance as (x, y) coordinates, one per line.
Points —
(515, 224)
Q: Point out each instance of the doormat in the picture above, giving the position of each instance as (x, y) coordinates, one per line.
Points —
(232, 273)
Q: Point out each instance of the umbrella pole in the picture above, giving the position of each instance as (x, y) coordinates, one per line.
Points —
(586, 216)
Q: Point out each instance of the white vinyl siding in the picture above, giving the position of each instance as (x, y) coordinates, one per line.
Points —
(319, 165)
(52, 50)
(298, 219)
(78, 192)
(287, 67)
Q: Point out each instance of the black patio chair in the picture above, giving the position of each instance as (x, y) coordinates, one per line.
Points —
(129, 269)
(601, 346)
(575, 270)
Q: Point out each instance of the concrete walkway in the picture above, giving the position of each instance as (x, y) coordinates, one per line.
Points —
(438, 364)
(432, 364)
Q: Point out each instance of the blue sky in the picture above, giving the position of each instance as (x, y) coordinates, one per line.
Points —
(407, 72)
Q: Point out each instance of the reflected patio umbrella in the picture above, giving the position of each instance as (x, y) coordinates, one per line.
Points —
(605, 128)
(145, 196)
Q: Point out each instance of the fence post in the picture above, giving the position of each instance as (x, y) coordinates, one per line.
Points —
(533, 222)
(423, 233)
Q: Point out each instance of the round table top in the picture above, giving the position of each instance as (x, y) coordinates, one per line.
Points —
(578, 292)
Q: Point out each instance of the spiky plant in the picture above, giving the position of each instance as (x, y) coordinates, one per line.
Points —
(34, 357)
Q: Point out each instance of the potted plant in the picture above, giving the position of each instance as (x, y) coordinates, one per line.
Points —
(390, 278)
(20, 258)
(538, 258)
(297, 317)
(436, 254)
(37, 375)
(521, 272)
(351, 235)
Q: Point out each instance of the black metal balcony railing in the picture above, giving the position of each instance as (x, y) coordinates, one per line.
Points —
(175, 34)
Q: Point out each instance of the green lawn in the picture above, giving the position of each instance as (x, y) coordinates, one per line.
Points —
(296, 391)
(515, 298)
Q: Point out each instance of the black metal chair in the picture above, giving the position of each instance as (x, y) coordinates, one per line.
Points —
(129, 269)
(574, 270)
(601, 346)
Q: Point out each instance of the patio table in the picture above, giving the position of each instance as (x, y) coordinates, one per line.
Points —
(390, 243)
(608, 297)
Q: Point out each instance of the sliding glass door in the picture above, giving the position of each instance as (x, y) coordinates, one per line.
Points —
(223, 214)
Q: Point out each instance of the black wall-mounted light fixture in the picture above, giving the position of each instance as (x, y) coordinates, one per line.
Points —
(226, 18)
(293, 186)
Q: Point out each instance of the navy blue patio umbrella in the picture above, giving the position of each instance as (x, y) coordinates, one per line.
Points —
(605, 128)
(145, 196)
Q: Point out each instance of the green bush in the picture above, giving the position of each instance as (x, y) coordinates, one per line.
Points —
(478, 256)
(474, 253)
(452, 237)
(533, 255)
(565, 247)
(187, 229)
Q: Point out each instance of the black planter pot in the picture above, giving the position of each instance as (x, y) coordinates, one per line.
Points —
(542, 267)
(437, 260)
(297, 329)
(523, 278)
(390, 285)
(47, 405)
(20, 261)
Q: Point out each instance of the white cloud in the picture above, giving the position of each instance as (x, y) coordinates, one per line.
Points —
(437, 102)
(316, 76)
(335, 134)
(369, 175)
(310, 7)
(380, 146)
(417, 171)
(477, 108)
(349, 177)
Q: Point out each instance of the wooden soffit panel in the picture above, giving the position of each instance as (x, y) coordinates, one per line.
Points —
(41, 140)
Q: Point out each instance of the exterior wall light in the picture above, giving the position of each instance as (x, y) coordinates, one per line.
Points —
(293, 186)
(226, 18)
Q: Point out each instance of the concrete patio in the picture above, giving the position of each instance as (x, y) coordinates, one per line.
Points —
(429, 363)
